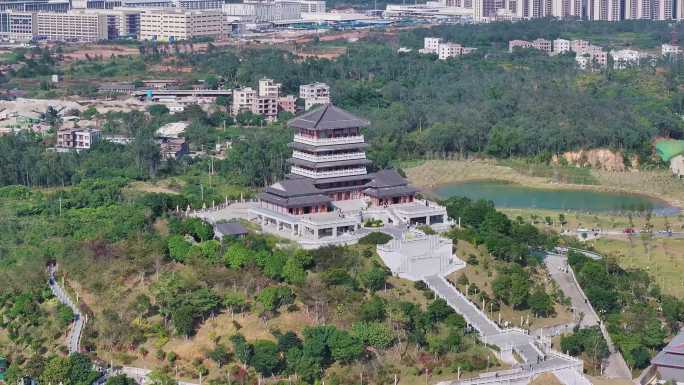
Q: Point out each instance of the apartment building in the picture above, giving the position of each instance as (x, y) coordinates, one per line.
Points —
(592, 59)
(77, 139)
(561, 46)
(542, 45)
(247, 99)
(449, 50)
(243, 100)
(70, 26)
(175, 24)
(431, 45)
(314, 94)
(268, 87)
(17, 26)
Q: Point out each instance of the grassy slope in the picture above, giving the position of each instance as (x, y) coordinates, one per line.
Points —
(482, 276)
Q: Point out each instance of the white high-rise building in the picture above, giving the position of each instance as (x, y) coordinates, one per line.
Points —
(175, 24)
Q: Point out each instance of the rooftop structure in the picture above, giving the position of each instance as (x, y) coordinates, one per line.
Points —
(229, 229)
(329, 190)
(670, 361)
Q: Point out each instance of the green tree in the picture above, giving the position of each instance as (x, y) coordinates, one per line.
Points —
(345, 347)
(219, 355)
(242, 350)
(120, 379)
(265, 358)
(373, 309)
(374, 279)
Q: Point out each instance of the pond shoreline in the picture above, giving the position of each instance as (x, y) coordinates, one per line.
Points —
(453, 172)
(509, 195)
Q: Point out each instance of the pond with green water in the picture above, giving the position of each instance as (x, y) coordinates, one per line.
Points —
(511, 195)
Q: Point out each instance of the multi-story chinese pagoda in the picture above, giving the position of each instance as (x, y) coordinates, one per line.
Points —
(329, 164)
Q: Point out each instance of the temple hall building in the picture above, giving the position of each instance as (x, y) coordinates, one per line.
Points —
(329, 193)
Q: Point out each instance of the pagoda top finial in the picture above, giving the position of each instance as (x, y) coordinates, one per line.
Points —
(327, 117)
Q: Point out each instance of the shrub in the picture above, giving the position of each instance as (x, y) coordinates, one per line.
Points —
(375, 238)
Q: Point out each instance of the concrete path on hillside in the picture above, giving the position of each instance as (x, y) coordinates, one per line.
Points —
(561, 273)
(557, 266)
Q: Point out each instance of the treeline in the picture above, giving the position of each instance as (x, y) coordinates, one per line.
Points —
(493, 102)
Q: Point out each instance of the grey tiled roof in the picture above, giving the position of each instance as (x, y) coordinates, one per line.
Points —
(387, 178)
(327, 117)
(390, 191)
(296, 201)
(230, 229)
(672, 355)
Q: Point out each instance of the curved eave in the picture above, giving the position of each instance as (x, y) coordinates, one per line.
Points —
(322, 165)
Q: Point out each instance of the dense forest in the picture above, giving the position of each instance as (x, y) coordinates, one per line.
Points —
(260, 307)
(490, 103)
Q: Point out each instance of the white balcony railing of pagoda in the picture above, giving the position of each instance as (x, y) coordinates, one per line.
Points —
(328, 158)
(328, 141)
(327, 174)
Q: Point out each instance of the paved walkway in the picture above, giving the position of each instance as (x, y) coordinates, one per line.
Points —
(463, 306)
(562, 274)
(557, 266)
(76, 328)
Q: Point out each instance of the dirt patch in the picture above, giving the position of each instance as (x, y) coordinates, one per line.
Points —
(546, 379)
(599, 159)
(330, 54)
(103, 51)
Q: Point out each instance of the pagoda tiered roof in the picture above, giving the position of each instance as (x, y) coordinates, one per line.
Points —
(327, 117)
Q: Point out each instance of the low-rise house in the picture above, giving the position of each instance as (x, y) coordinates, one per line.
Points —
(77, 139)
(173, 148)
(625, 58)
(229, 229)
